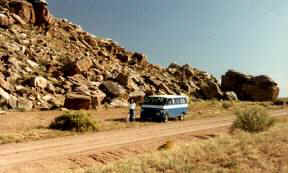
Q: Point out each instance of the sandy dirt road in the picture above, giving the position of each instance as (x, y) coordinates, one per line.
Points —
(12, 155)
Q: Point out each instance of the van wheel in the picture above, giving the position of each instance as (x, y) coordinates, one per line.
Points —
(165, 118)
(181, 117)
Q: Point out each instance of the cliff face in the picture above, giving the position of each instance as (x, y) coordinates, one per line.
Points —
(54, 63)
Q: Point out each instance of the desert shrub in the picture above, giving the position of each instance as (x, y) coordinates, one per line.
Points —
(255, 119)
(281, 101)
(78, 121)
(214, 102)
(106, 106)
(227, 105)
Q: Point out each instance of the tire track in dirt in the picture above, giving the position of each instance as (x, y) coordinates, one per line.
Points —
(13, 154)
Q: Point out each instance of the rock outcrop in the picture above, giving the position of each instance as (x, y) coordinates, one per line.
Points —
(195, 82)
(64, 66)
(250, 88)
(24, 12)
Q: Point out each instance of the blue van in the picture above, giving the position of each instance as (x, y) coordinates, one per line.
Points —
(163, 107)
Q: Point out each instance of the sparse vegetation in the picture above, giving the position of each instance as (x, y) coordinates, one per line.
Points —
(227, 105)
(242, 152)
(167, 145)
(197, 110)
(78, 121)
(31, 135)
(254, 119)
(281, 101)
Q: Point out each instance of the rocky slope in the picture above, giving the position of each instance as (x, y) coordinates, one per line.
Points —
(53, 63)
(49, 63)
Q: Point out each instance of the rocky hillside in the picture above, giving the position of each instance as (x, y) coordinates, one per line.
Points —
(54, 63)
(49, 63)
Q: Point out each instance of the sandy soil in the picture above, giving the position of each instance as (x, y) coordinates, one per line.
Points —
(15, 121)
(56, 155)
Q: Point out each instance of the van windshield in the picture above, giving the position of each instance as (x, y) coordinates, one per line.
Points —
(155, 101)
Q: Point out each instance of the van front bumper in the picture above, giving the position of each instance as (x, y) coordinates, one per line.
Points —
(151, 114)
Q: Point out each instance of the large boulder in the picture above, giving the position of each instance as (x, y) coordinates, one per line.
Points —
(123, 79)
(127, 81)
(57, 101)
(77, 67)
(40, 82)
(31, 12)
(3, 83)
(250, 88)
(24, 10)
(5, 20)
(90, 40)
(112, 89)
(42, 13)
(188, 86)
(137, 96)
(9, 100)
(97, 98)
(122, 58)
(77, 102)
(83, 65)
(138, 58)
(4, 94)
(210, 90)
(185, 72)
(231, 96)
(194, 82)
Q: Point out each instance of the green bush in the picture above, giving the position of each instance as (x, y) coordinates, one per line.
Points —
(78, 121)
(255, 119)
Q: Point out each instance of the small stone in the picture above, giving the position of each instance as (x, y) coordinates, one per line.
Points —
(40, 82)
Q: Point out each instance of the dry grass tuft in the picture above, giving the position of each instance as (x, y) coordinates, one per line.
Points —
(241, 152)
(167, 145)
(227, 105)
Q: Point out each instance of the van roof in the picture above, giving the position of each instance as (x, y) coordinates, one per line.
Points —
(169, 96)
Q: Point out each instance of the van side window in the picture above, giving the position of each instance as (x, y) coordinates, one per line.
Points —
(184, 101)
(175, 101)
(170, 102)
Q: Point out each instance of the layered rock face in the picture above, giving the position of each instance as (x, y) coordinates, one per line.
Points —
(250, 88)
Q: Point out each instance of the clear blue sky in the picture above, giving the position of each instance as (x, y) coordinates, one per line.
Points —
(246, 35)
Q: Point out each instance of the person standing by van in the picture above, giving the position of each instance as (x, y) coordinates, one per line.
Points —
(132, 110)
